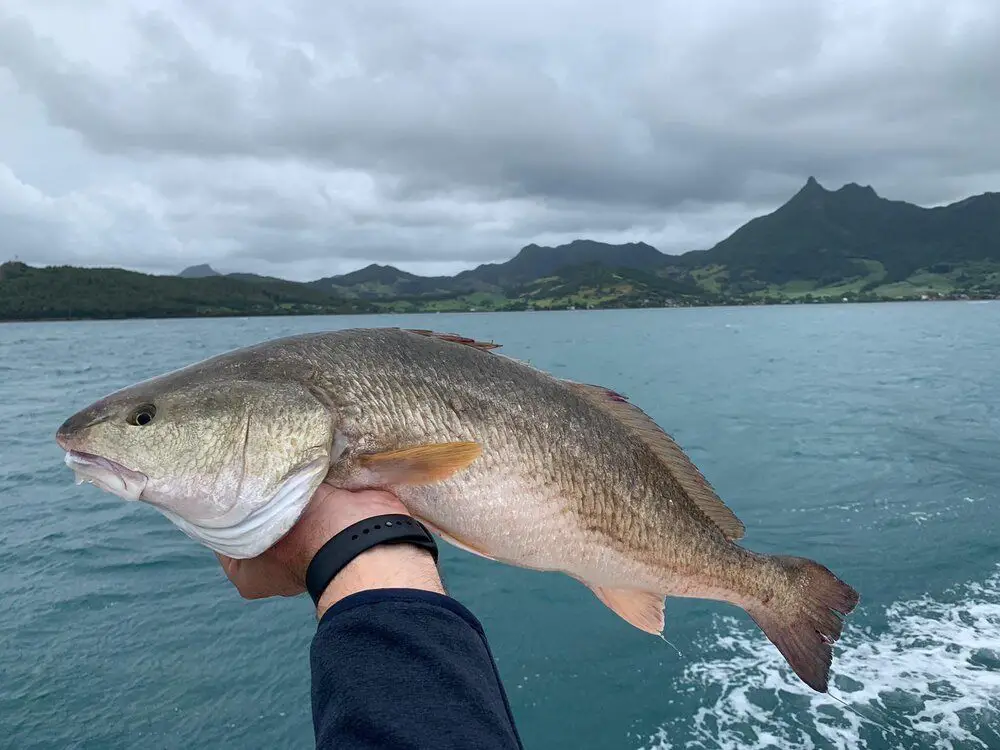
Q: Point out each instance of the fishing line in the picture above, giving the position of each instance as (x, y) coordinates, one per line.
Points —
(664, 639)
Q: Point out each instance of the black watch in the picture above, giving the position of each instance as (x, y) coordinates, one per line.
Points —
(394, 528)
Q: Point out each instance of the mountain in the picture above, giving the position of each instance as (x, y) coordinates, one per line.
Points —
(828, 237)
(28, 293)
(374, 274)
(198, 272)
(534, 261)
(821, 242)
(531, 263)
(388, 282)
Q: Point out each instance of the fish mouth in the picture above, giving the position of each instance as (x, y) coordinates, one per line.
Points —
(106, 474)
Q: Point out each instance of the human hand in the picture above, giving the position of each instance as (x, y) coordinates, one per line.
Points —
(281, 570)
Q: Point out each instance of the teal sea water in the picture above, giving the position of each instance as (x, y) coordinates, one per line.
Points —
(865, 436)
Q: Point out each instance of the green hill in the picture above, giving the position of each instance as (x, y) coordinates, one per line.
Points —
(387, 282)
(535, 262)
(28, 293)
(596, 286)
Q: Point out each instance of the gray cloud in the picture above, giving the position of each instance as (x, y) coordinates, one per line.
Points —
(307, 137)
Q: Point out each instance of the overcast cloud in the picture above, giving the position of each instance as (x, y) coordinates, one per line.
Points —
(307, 137)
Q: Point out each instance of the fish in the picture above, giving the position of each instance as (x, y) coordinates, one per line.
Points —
(492, 454)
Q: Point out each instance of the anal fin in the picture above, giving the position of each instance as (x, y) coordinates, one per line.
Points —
(641, 609)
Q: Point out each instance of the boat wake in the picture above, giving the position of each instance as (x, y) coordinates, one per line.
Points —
(931, 679)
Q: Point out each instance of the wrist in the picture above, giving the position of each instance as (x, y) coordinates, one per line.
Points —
(385, 566)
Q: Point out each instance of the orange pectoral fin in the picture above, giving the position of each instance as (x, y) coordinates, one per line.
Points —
(423, 464)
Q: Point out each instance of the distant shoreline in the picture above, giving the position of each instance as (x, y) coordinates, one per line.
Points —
(755, 303)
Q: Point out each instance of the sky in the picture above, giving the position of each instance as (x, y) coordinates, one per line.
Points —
(306, 138)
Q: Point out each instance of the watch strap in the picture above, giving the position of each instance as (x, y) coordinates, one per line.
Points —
(334, 556)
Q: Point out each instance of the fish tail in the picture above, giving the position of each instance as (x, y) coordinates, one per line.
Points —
(805, 624)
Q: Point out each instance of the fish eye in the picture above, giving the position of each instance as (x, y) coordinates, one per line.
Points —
(142, 415)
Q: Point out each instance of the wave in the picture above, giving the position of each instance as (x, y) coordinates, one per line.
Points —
(932, 676)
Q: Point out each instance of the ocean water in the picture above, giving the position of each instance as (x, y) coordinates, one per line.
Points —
(864, 436)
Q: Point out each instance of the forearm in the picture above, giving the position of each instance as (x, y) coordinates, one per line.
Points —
(396, 663)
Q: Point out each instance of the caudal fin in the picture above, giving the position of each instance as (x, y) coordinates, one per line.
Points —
(805, 627)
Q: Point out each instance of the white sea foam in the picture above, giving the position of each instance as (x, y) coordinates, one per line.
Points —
(933, 675)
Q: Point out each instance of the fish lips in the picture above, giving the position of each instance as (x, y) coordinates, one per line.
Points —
(107, 474)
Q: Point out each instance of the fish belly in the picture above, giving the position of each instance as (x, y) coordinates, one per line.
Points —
(512, 522)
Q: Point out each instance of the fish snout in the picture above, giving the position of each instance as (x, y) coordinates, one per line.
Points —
(64, 435)
(69, 432)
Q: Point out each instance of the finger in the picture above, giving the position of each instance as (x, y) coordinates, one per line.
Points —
(229, 565)
(243, 575)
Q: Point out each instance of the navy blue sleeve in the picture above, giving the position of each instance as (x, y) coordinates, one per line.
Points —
(402, 668)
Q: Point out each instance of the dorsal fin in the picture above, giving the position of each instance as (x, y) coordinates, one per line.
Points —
(683, 470)
(454, 338)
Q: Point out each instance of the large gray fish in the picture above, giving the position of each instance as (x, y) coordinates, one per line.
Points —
(495, 456)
